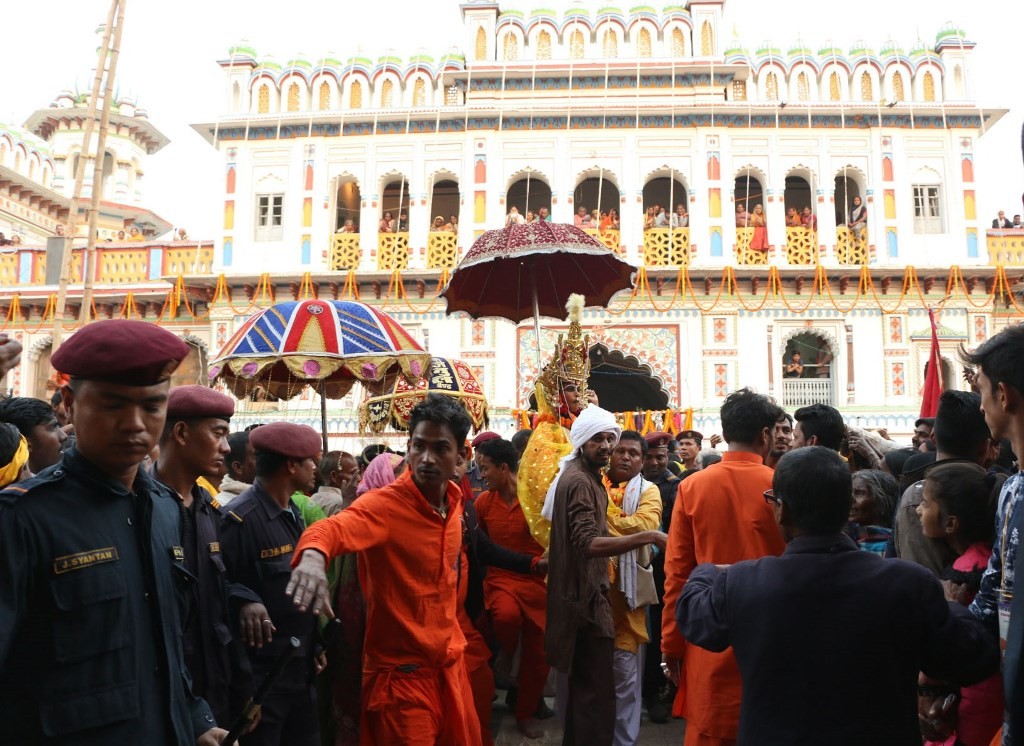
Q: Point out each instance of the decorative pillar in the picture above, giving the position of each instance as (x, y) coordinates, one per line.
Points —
(306, 242)
(775, 219)
(771, 363)
(228, 242)
(849, 365)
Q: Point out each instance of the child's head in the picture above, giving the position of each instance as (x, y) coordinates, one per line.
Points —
(957, 503)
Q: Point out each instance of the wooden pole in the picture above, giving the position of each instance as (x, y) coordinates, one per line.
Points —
(67, 255)
(323, 414)
(85, 315)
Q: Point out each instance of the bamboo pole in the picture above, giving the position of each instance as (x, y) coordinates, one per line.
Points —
(85, 314)
(67, 254)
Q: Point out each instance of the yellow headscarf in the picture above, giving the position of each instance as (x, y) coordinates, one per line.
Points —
(9, 473)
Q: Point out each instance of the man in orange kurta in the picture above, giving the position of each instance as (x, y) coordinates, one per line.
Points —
(409, 539)
(720, 516)
(517, 603)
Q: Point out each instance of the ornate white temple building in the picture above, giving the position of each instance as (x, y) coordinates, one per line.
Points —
(617, 112)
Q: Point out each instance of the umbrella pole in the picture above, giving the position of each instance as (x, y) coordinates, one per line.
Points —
(323, 413)
(536, 310)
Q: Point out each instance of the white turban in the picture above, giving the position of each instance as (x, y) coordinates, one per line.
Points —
(590, 422)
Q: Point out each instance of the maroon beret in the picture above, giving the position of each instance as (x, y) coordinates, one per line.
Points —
(483, 437)
(287, 439)
(658, 440)
(198, 401)
(133, 353)
(691, 435)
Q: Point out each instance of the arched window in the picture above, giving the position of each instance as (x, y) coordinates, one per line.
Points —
(419, 93)
(610, 44)
(510, 46)
(679, 42)
(576, 44)
(707, 40)
(387, 94)
(481, 43)
(867, 89)
(543, 45)
(771, 86)
(263, 99)
(803, 89)
(834, 90)
(929, 87)
(643, 43)
(325, 96)
(897, 86)
(293, 97)
(355, 95)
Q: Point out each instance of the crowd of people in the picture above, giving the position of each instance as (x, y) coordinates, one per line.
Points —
(1001, 222)
(814, 583)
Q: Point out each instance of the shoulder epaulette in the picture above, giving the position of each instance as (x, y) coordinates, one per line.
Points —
(48, 476)
(235, 516)
(214, 503)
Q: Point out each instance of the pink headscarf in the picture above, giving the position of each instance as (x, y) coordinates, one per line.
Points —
(380, 473)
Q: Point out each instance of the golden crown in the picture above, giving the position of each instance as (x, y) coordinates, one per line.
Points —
(571, 361)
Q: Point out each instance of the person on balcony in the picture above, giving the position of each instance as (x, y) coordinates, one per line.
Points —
(605, 223)
(595, 219)
(810, 220)
(661, 218)
(613, 216)
(542, 215)
(795, 367)
(438, 225)
(1016, 223)
(452, 224)
(759, 241)
(135, 235)
(403, 222)
(514, 218)
(1002, 222)
(742, 216)
(348, 227)
(649, 217)
(582, 218)
(530, 217)
(858, 221)
(680, 218)
(120, 236)
(387, 224)
(793, 219)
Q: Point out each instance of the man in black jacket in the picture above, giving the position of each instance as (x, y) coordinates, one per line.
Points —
(825, 624)
(1001, 222)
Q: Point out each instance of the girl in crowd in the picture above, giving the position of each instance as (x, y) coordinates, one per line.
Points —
(875, 495)
(438, 224)
(958, 506)
(387, 224)
(793, 219)
(757, 222)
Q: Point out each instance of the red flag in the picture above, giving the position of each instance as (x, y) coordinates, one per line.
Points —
(933, 378)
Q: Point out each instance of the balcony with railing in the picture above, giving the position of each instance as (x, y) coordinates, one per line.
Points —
(113, 263)
(745, 253)
(608, 236)
(1006, 246)
(801, 392)
(667, 247)
(852, 246)
(801, 246)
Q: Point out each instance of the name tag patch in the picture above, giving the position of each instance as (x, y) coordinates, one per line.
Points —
(81, 560)
(178, 553)
(214, 547)
(276, 551)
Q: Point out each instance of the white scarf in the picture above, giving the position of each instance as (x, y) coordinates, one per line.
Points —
(590, 422)
(627, 561)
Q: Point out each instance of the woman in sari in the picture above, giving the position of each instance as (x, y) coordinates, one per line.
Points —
(759, 241)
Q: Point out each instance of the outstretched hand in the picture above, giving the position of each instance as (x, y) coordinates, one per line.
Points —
(308, 585)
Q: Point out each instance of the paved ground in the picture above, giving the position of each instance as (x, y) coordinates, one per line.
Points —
(651, 734)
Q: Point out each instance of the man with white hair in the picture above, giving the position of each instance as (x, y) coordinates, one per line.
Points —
(580, 632)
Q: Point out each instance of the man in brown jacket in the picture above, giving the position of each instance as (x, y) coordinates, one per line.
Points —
(580, 632)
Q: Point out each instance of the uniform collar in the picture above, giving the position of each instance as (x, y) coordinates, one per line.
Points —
(268, 503)
(74, 462)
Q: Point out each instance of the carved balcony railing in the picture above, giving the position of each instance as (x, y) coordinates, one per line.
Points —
(392, 251)
(745, 254)
(801, 246)
(667, 247)
(608, 237)
(850, 248)
(1006, 246)
(802, 392)
(345, 252)
(442, 250)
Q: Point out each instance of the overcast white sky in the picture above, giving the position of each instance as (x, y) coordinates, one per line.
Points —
(170, 50)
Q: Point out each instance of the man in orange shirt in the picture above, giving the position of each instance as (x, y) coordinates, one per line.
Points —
(517, 603)
(720, 516)
(409, 539)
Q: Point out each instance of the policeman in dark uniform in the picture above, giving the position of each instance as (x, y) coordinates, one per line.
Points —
(258, 536)
(690, 442)
(194, 444)
(656, 470)
(92, 570)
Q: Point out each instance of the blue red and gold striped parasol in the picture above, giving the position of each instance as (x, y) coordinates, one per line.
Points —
(329, 344)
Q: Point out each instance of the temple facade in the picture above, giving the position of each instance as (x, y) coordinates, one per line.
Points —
(336, 170)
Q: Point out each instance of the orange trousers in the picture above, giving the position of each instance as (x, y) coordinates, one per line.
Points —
(425, 707)
(513, 627)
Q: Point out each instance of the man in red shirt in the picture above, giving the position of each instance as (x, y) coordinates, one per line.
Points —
(409, 539)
